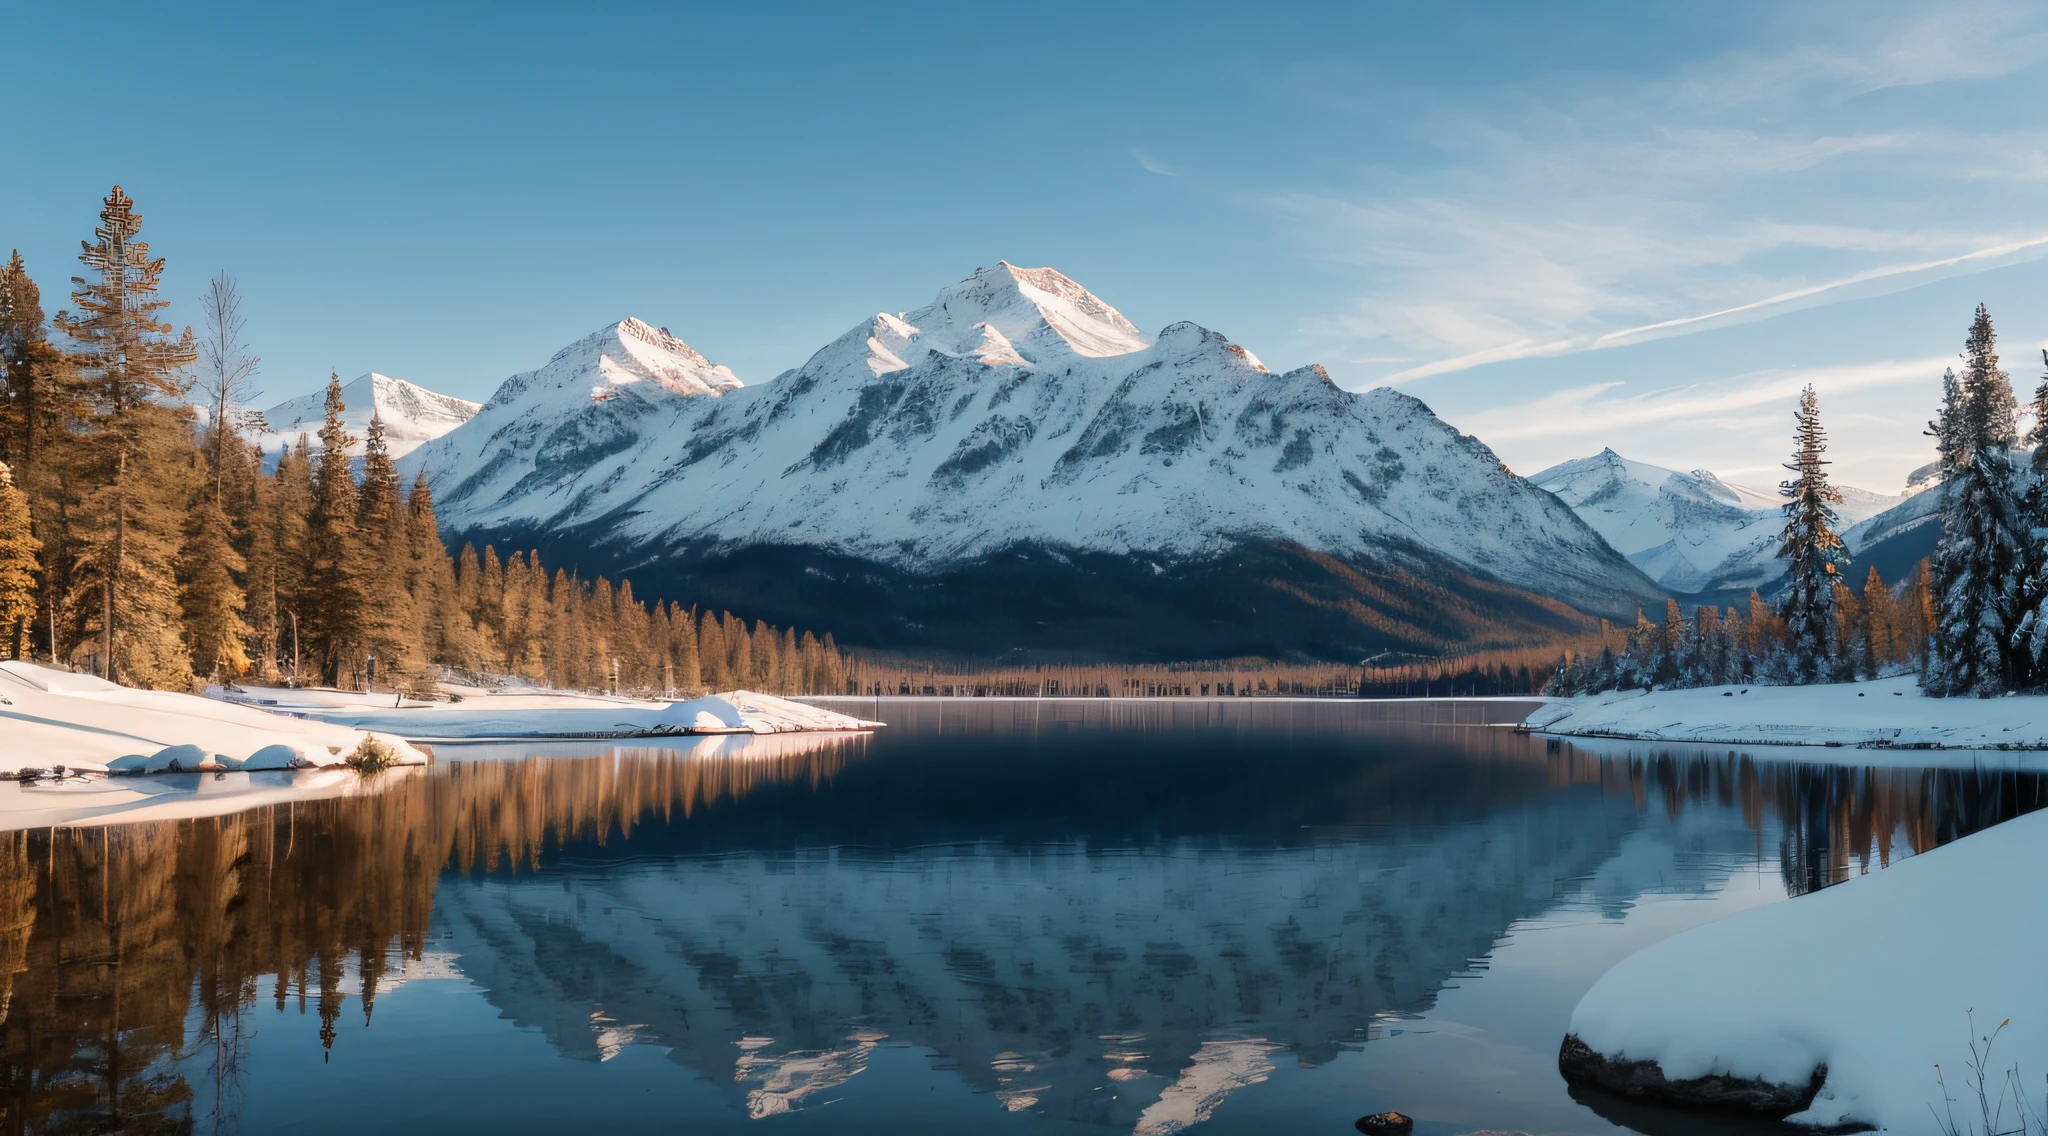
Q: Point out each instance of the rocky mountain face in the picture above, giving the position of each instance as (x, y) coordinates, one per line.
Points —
(413, 415)
(1016, 467)
(1693, 533)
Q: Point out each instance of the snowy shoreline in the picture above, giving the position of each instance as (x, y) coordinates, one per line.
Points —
(187, 756)
(1878, 714)
(1868, 985)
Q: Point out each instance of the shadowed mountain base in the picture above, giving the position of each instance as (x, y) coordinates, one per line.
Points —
(1036, 603)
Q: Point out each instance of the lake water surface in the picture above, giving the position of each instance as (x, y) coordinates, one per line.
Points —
(1030, 917)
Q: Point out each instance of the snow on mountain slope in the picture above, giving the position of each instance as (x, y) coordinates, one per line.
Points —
(1015, 410)
(413, 415)
(1690, 532)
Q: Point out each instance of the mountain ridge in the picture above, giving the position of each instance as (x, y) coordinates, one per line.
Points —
(413, 415)
(1692, 532)
(1019, 416)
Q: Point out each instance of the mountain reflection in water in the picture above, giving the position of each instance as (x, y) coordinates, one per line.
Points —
(1110, 915)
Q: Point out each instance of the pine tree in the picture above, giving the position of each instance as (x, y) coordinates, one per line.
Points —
(1992, 414)
(689, 674)
(391, 623)
(136, 450)
(711, 653)
(332, 602)
(40, 395)
(1881, 621)
(211, 596)
(445, 632)
(18, 567)
(1852, 635)
(1668, 668)
(290, 523)
(1916, 614)
(2033, 569)
(1812, 551)
(1979, 561)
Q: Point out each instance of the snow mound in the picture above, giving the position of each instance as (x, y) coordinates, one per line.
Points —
(563, 714)
(1873, 978)
(1886, 713)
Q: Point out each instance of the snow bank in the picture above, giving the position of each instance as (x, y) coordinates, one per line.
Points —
(1872, 978)
(52, 717)
(1884, 713)
(555, 714)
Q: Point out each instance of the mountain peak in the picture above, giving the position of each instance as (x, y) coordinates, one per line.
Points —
(1042, 312)
(634, 350)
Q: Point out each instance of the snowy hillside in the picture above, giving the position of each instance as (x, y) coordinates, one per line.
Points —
(412, 414)
(1690, 532)
(975, 447)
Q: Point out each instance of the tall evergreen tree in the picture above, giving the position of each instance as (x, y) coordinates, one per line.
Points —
(1979, 562)
(39, 394)
(212, 597)
(18, 568)
(1882, 622)
(136, 449)
(1811, 549)
(445, 632)
(290, 523)
(332, 607)
(391, 625)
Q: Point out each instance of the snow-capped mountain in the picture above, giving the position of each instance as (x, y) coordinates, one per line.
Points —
(413, 415)
(1690, 532)
(1016, 461)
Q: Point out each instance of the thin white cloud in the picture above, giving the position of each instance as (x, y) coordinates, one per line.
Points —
(1151, 164)
(1594, 409)
(1898, 276)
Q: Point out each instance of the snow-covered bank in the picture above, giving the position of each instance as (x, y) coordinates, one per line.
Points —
(1881, 714)
(54, 717)
(1872, 978)
(552, 714)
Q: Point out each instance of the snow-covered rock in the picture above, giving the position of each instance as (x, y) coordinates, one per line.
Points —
(1884, 980)
(1017, 411)
(413, 415)
(1690, 532)
(1887, 713)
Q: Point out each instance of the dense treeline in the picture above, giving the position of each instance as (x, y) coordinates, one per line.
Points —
(1877, 632)
(1522, 671)
(1973, 617)
(147, 543)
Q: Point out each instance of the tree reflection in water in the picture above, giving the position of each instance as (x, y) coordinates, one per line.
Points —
(129, 953)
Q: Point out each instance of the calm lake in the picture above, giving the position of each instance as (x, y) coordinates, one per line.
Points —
(1145, 917)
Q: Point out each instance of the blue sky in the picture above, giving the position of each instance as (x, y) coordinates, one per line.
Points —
(1485, 204)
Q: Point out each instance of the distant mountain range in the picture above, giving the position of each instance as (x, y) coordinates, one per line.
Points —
(1693, 533)
(1015, 467)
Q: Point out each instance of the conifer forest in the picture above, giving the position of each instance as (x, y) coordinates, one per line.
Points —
(145, 539)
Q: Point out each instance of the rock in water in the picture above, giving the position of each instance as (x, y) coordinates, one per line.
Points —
(1645, 1081)
(1387, 1123)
